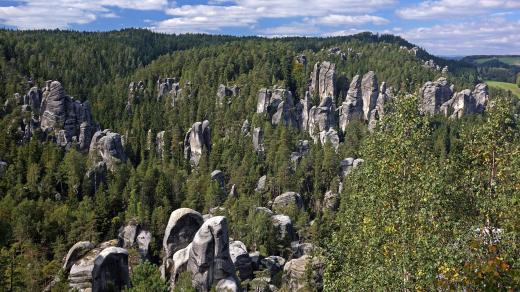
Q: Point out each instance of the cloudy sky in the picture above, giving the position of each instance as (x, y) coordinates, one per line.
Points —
(444, 27)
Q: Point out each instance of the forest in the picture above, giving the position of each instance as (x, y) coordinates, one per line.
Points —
(411, 193)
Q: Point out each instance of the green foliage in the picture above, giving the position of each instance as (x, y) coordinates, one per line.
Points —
(146, 277)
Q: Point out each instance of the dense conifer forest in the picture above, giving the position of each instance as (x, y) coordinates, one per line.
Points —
(412, 199)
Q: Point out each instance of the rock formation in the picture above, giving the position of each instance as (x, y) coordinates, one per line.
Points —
(285, 228)
(133, 235)
(261, 184)
(278, 104)
(481, 96)
(369, 92)
(106, 147)
(241, 259)
(331, 201)
(100, 268)
(288, 200)
(258, 140)
(352, 108)
(135, 94)
(209, 259)
(76, 252)
(433, 95)
(385, 95)
(321, 118)
(323, 80)
(169, 88)
(197, 140)
(160, 144)
(303, 149)
(246, 128)
(331, 137)
(295, 273)
(224, 93)
(181, 228)
(348, 164)
(219, 177)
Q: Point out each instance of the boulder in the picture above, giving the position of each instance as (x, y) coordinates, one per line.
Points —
(106, 147)
(261, 185)
(100, 269)
(181, 228)
(76, 252)
(128, 234)
(256, 259)
(288, 199)
(258, 140)
(197, 140)
(285, 228)
(241, 259)
(331, 201)
(233, 193)
(369, 92)
(143, 243)
(209, 259)
(219, 177)
(433, 95)
(295, 275)
(323, 80)
(246, 128)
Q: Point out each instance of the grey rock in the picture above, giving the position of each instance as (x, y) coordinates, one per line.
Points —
(301, 59)
(76, 252)
(264, 100)
(273, 264)
(233, 193)
(323, 80)
(219, 177)
(3, 166)
(160, 144)
(352, 108)
(261, 185)
(330, 136)
(106, 147)
(461, 103)
(303, 149)
(224, 93)
(265, 210)
(178, 264)
(481, 95)
(301, 249)
(331, 201)
(282, 100)
(378, 112)
(348, 164)
(181, 228)
(287, 200)
(143, 243)
(197, 140)
(302, 111)
(246, 128)
(255, 260)
(209, 258)
(369, 91)
(285, 228)
(128, 234)
(241, 259)
(111, 268)
(321, 118)
(295, 272)
(258, 140)
(228, 284)
(433, 95)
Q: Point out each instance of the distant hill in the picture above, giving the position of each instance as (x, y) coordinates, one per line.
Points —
(502, 68)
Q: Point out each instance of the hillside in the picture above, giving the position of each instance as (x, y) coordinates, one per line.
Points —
(497, 68)
(154, 162)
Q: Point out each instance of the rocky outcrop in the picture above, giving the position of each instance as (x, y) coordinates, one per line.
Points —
(209, 259)
(323, 80)
(461, 103)
(135, 95)
(278, 104)
(133, 235)
(196, 141)
(295, 273)
(106, 147)
(433, 95)
(3, 166)
(285, 228)
(160, 144)
(348, 164)
(288, 200)
(224, 93)
(76, 252)
(258, 140)
(302, 111)
(301, 59)
(302, 150)
(331, 201)
(181, 228)
(246, 128)
(100, 268)
(241, 259)
(321, 118)
(273, 264)
(68, 120)
(369, 92)
(169, 88)
(330, 137)
(352, 108)
(481, 96)
(261, 185)
(385, 95)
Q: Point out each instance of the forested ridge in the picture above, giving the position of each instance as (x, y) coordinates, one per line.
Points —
(327, 178)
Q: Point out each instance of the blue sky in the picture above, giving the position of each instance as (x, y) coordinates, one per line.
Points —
(443, 27)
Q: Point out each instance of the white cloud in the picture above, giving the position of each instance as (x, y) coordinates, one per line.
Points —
(244, 13)
(491, 36)
(29, 14)
(444, 8)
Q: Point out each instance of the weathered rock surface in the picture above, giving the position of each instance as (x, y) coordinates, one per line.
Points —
(160, 144)
(102, 267)
(352, 108)
(323, 80)
(181, 228)
(330, 136)
(179, 264)
(321, 118)
(302, 150)
(77, 251)
(224, 93)
(70, 121)
(106, 147)
(241, 259)
(369, 91)
(385, 95)
(246, 128)
(258, 140)
(288, 200)
(481, 95)
(133, 235)
(433, 95)
(331, 201)
(261, 184)
(295, 273)
(209, 258)
(278, 104)
(197, 140)
(285, 228)
(219, 177)
(273, 264)
(348, 164)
